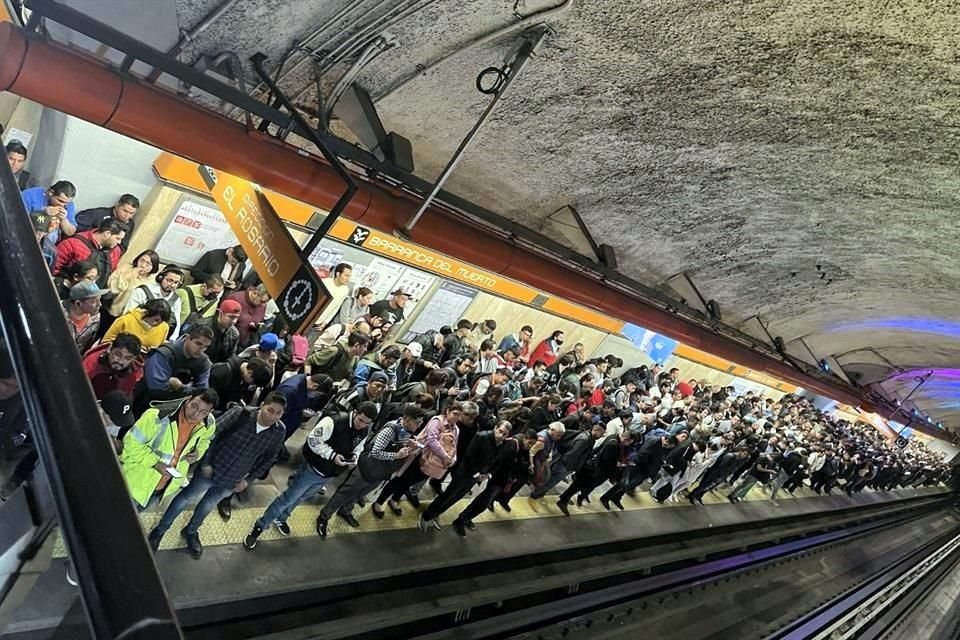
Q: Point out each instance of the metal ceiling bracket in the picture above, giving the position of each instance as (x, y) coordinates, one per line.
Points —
(532, 40)
(351, 187)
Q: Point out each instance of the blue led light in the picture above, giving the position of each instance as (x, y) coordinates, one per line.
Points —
(936, 326)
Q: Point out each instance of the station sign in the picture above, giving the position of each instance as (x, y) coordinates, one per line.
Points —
(290, 280)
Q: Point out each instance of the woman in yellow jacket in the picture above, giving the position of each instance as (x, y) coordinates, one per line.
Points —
(150, 322)
(160, 447)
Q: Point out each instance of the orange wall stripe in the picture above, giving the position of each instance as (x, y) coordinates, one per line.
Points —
(182, 172)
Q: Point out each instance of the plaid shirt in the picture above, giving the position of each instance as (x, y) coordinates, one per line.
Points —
(239, 451)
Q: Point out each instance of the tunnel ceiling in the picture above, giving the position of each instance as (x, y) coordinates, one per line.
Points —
(799, 160)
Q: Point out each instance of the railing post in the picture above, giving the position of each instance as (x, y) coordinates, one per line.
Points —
(119, 583)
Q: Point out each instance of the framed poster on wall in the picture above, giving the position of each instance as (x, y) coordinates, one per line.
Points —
(380, 277)
(445, 307)
(194, 229)
(416, 283)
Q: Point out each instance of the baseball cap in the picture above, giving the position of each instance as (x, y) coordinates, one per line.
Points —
(416, 349)
(119, 407)
(401, 292)
(85, 290)
(379, 376)
(596, 420)
(230, 306)
(269, 342)
(41, 222)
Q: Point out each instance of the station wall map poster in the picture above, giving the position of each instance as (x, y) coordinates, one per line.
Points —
(416, 283)
(194, 229)
(445, 307)
(329, 253)
(381, 276)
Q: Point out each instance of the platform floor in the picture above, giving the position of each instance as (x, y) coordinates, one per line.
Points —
(251, 505)
(282, 567)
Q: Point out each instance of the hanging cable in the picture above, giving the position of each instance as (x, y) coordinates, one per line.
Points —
(484, 85)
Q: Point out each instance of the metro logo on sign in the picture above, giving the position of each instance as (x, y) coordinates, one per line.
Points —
(275, 256)
(359, 235)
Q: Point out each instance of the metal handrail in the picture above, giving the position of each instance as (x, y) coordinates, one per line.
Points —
(119, 584)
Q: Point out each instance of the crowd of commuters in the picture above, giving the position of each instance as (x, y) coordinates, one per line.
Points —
(199, 377)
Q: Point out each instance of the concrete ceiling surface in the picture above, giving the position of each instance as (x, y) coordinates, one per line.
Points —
(799, 160)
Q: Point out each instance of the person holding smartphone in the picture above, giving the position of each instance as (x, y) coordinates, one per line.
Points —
(248, 442)
(332, 447)
(163, 443)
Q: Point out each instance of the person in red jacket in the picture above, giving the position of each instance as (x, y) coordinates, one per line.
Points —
(548, 349)
(101, 247)
(115, 366)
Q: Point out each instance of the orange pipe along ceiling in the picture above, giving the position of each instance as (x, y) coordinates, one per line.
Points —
(81, 86)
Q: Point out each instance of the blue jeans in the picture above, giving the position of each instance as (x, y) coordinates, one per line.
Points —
(305, 483)
(199, 486)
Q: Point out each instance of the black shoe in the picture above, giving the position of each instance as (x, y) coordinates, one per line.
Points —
(437, 486)
(251, 540)
(460, 528)
(492, 507)
(193, 543)
(154, 540)
(413, 500)
(349, 519)
(563, 507)
(469, 525)
(282, 528)
(225, 509)
(395, 507)
(580, 501)
(732, 499)
(506, 506)
(617, 502)
(360, 503)
(377, 513)
(605, 501)
(321, 527)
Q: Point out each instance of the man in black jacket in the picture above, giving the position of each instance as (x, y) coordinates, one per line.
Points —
(715, 475)
(215, 263)
(331, 447)
(546, 412)
(383, 454)
(246, 446)
(571, 451)
(238, 378)
(606, 462)
(123, 212)
(473, 467)
(649, 459)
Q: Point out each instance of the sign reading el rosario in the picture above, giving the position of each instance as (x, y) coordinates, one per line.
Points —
(299, 293)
